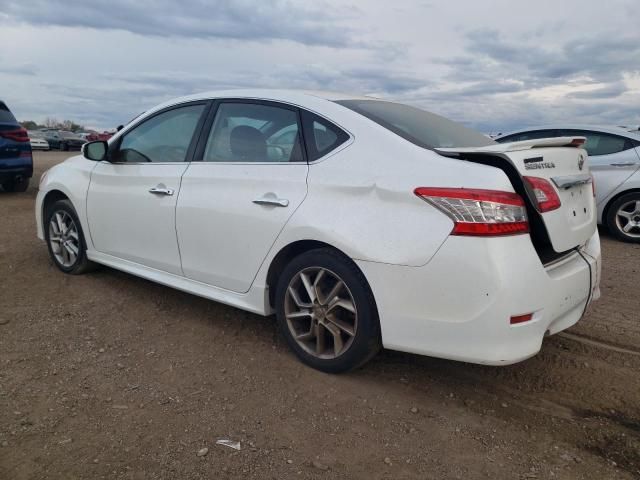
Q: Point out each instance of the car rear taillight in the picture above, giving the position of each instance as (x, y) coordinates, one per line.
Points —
(546, 198)
(478, 212)
(17, 135)
(593, 185)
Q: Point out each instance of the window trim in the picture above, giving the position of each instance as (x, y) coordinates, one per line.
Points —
(115, 146)
(198, 155)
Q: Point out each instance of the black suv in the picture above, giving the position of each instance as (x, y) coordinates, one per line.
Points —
(16, 162)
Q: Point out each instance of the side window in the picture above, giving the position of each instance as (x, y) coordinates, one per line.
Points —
(321, 135)
(163, 138)
(252, 132)
(532, 135)
(600, 143)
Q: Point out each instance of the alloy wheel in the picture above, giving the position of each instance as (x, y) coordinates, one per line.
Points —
(628, 218)
(320, 312)
(64, 238)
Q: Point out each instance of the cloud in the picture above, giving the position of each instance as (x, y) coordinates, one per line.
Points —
(612, 90)
(103, 65)
(20, 69)
(597, 58)
(222, 19)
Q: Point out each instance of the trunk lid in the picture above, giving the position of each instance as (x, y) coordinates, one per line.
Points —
(564, 165)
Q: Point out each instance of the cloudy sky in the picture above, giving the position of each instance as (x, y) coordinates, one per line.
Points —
(493, 65)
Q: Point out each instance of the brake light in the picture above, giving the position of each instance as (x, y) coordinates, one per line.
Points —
(17, 135)
(545, 195)
(478, 212)
(593, 185)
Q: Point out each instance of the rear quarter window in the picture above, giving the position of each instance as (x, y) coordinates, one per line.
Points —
(321, 136)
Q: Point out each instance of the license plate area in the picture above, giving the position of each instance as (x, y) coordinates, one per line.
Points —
(576, 201)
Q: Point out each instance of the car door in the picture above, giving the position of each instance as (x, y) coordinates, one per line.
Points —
(241, 190)
(612, 159)
(132, 197)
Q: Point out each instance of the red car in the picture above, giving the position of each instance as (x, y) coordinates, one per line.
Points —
(104, 136)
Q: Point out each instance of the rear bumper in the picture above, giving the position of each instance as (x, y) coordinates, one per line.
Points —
(459, 305)
(11, 168)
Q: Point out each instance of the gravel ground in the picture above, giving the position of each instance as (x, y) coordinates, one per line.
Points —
(107, 375)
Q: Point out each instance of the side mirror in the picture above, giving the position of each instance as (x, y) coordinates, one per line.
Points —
(96, 151)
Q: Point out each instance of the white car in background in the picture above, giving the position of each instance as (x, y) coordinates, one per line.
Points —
(614, 159)
(361, 223)
(37, 140)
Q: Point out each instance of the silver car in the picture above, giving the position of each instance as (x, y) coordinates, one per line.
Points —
(614, 158)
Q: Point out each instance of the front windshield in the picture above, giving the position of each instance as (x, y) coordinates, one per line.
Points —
(420, 127)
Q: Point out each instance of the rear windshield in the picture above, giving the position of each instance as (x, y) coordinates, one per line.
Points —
(5, 115)
(418, 126)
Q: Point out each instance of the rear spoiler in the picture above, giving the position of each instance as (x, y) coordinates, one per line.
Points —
(576, 142)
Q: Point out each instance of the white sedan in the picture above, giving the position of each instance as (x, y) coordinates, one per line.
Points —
(37, 141)
(359, 222)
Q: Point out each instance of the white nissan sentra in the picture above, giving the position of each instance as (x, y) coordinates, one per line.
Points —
(361, 223)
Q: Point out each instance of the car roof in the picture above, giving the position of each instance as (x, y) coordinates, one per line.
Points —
(277, 95)
(576, 126)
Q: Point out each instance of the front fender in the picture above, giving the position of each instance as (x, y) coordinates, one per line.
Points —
(70, 178)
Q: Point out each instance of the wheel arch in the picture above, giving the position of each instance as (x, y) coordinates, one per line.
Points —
(288, 253)
(51, 197)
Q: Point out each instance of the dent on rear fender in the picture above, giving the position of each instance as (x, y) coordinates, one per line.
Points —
(381, 224)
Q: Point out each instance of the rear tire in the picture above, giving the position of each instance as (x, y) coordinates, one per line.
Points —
(326, 311)
(65, 239)
(623, 218)
(16, 185)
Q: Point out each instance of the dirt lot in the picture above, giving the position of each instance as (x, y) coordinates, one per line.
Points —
(109, 376)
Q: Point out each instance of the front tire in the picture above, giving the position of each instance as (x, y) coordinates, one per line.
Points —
(65, 240)
(623, 218)
(326, 311)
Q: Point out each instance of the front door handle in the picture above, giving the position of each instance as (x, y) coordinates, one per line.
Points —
(161, 190)
(624, 164)
(272, 199)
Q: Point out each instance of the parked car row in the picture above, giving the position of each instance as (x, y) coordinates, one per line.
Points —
(63, 140)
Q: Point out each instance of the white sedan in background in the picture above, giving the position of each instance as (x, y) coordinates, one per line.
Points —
(37, 140)
(361, 223)
(614, 160)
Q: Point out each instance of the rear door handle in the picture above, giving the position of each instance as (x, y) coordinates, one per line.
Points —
(272, 199)
(624, 164)
(161, 190)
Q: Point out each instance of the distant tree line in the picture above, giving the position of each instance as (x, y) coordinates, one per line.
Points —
(68, 125)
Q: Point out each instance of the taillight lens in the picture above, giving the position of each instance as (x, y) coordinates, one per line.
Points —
(593, 186)
(17, 135)
(546, 197)
(478, 212)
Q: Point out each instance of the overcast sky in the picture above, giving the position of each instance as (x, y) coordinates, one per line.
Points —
(493, 65)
